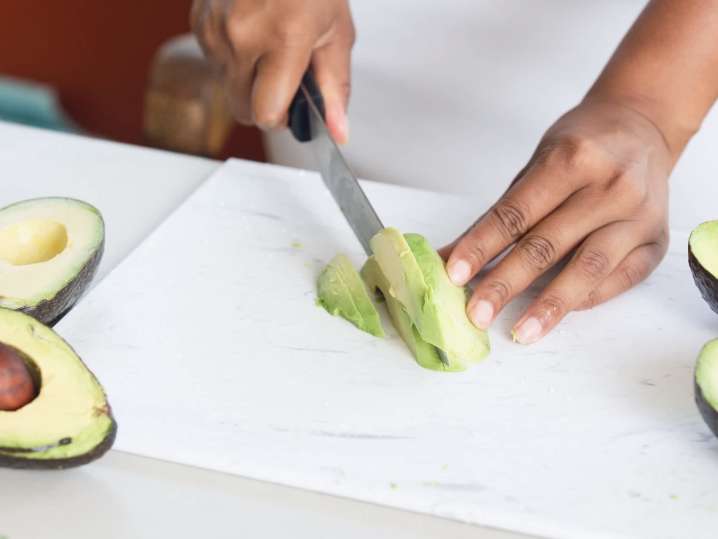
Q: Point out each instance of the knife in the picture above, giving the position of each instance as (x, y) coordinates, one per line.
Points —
(307, 124)
(306, 121)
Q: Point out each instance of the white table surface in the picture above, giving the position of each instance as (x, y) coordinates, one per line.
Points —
(126, 496)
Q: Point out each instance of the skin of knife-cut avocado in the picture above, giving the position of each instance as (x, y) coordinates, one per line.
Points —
(342, 292)
(69, 422)
(418, 281)
(703, 261)
(706, 384)
(50, 249)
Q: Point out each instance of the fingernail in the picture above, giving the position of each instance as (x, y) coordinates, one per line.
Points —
(482, 314)
(528, 332)
(459, 272)
(342, 126)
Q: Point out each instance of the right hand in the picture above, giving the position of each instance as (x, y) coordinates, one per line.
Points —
(264, 48)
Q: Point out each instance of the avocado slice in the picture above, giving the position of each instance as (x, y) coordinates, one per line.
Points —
(706, 384)
(436, 307)
(49, 252)
(703, 261)
(69, 422)
(424, 353)
(342, 292)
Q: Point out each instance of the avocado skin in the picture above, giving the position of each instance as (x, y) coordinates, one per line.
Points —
(710, 416)
(61, 464)
(705, 281)
(50, 311)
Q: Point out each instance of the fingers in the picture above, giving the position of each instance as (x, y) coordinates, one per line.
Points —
(538, 193)
(540, 249)
(331, 65)
(592, 263)
(638, 265)
(277, 78)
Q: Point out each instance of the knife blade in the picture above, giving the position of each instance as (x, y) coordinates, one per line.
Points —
(307, 124)
(306, 120)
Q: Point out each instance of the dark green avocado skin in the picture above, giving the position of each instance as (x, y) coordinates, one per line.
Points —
(50, 311)
(706, 283)
(22, 463)
(710, 416)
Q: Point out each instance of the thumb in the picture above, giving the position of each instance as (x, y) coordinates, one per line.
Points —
(332, 71)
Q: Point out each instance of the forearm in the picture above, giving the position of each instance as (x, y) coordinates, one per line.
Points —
(666, 67)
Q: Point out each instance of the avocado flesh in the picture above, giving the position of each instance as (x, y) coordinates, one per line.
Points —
(706, 384)
(424, 353)
(342, 292)
(49, 252)
(70, 421)
(436, 307)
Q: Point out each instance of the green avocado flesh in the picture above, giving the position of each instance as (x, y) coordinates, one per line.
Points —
(69, 422)
(436, 307)
(426, 308)
(703, 243)
(706, 384)
(49, 251)
(342, 292)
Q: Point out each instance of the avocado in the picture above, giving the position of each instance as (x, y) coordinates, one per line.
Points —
(424, 353)
(418, 281)
(703, 261)
(69, 422)
(342, 292)
(49, 251)
(706, 384)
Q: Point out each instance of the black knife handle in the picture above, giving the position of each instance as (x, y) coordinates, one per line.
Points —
(299, 108)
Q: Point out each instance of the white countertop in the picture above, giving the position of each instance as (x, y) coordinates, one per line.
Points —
(125, 496)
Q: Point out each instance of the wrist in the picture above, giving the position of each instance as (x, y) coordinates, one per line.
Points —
(675, 129)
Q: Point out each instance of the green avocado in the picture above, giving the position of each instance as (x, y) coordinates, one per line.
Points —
(418, 281)
(706, 384)
(342, 292)
(49, 251)
(424, 353)
(69, 421)
(703, 261)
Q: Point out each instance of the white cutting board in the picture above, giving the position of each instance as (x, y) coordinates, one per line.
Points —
(214, 354)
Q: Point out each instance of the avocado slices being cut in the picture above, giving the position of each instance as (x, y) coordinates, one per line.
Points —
(69, 422)
(426, 308)
(342, 292)
(424, 353)
(436, 307)
(706, 384)
(49, 251)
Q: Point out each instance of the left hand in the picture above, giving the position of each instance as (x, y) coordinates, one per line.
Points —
(595, 189)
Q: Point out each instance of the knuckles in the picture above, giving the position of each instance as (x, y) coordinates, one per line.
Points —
(510, 218)
(593, 263)
(538, 251)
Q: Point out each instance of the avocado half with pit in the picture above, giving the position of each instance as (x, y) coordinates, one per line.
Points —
(49, 252)
(706, 384)
(54, 411)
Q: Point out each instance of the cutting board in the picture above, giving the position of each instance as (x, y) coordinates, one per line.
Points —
(214, 354)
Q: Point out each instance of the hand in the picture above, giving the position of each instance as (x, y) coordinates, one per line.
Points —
(265, 46)
(596, 190)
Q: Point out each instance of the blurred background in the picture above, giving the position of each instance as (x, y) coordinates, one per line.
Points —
(87, 66)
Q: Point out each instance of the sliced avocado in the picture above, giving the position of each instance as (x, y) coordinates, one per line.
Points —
(436, 307)
(69, 422)
(342, 292)
(703, 261)
(706, 384)
(49, 251)
(424, 353)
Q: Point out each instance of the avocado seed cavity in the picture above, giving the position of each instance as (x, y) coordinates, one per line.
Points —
(17, 383)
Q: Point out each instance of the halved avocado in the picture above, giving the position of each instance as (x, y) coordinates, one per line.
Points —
(706, 384)
(703, 261)
(342, 292)
(49, 252)
(69, 422)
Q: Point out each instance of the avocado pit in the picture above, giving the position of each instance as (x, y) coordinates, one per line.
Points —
(18, 386)
(32, 241)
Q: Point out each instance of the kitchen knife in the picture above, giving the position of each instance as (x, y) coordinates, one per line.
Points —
(307, 123)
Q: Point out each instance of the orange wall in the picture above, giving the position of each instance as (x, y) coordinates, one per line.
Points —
(97, 54)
